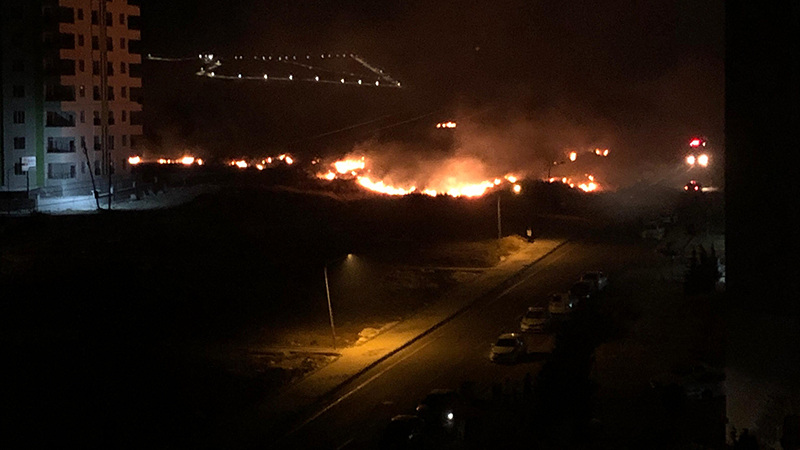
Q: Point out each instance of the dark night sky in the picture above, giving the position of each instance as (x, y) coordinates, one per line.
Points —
(638, 76)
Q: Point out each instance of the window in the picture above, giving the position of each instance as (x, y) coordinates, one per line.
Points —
(97, 142)
(60, 171)
(80, 40)
(124, 91)
(83, 142)
(111, 117)
(96, 92)
(110, 68)
(82, 90)
(95, 43)
(19, 116)
(97, 117)
(83, 116)
(109, 44)
(111, 92)
(18, 91)
(19, 143)
(122, 18)
(18, 65)
(124, 139)
(95, 21)
(123, 68)
(111, 142)
(95, 67)
(124, 115)
(109, 19)
(80, 15)
(82, 65)
(97, 167)
(60, 145)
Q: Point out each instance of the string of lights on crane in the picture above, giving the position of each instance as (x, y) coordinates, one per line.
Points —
(210, 64)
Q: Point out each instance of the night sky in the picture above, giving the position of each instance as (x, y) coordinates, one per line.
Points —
(640, 77)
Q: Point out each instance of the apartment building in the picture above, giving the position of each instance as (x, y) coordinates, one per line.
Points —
(57, 56)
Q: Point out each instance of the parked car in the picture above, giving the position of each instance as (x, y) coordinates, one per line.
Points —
(508, 348)
(560, 303)
(536, 318)
(581, 291)
(444, 411)
(598, 279)
(696, 381)
(405, 431)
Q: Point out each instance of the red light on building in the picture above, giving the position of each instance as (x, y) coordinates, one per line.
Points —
(694, 143)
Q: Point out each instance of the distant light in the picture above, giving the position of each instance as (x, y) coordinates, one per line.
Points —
(316, 78)
(573, 156)
(342, 80)
(242, 164)
(210, 56)
(162, 161)
(199, 162)
(211, 74)
(497, 181)
(598, 152)
(259, 167)
(187, 160)
(450, 416)
(133, 160)
(605, 152)
(359, 81)
(266, 77)
(282, 157)
(240, 75)
(377, 83)
(690, 160)
(269, 160)
(289, 160)
(290, 77)
(702, 160)
(694, 142)
(517, 189)
(511, 178)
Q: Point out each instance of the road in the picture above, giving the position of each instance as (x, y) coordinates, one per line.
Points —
(456, 352)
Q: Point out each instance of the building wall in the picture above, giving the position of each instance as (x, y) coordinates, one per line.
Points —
(61, 79)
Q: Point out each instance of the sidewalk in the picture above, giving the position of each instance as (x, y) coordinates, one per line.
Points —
(358, 359)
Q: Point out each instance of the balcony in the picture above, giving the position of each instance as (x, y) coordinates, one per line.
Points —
(59, 67)
(134, 22)
(136, 95)
(58, 41)
(135, 70)
(59, 93)
(60, 119)
(60, 145)
(136, 118)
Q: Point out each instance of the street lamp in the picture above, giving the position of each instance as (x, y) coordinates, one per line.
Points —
(328, 294)
(516, 189)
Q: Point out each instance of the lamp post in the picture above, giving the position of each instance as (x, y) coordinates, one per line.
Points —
(328, 294)
(516, 189)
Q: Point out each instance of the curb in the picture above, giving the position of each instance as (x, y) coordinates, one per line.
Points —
(503, 285)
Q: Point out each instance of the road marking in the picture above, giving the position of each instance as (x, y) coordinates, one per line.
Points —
(536, 272)
(358, 388)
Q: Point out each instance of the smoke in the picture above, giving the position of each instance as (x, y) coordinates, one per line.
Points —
(485, 145)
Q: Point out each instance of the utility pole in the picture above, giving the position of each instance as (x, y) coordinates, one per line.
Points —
(330, 308)
(499, 223)
(104, 94)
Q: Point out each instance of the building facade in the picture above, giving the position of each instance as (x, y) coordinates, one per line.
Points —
(52, 79)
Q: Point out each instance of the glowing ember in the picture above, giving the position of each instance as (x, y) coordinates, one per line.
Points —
(382, 188)
(349, 165)
(133, 160)
(517, 189)
(289, 160)
(329, 176)
(242, 164)
(573, 156)
(511, 178)
(187, 160)
(446, 125)
(199, 162)
(587, 187)
(259, 167)
(497, 181)
(162, 161)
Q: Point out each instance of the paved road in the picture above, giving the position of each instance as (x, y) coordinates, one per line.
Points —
(454, 353)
